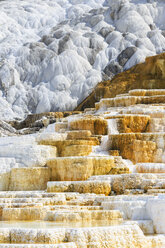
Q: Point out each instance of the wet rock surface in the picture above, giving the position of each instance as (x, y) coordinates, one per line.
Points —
(61, 50)
(90, 179)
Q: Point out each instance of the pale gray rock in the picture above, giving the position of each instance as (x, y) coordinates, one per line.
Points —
(113, 68)
(96, 19)
(106, 30)
(125, 55)
(63, 43)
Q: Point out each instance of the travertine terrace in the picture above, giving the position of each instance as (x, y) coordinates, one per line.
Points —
(101, 182)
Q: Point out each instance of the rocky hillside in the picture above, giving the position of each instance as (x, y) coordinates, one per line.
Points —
(147, 75)
(53, 53)
(91, 180)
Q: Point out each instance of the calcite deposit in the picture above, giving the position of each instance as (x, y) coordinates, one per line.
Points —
(83, 167)
(93, 179)
(148, 75)
(53, 53)
(96, 125)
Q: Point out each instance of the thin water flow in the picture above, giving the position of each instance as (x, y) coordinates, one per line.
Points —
(53, 224)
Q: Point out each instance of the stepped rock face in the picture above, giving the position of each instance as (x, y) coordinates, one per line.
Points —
(83, 167)
(81, 187)
(150, 167)
(67, 148)
(139, 147)
(134, 148)
(91, 179)
(53, 50)
(97, 126)
(148, 75)
(29, 178)
(132, 123)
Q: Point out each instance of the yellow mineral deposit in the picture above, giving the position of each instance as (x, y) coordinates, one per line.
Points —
(103, 184)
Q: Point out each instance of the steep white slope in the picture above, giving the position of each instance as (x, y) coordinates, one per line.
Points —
(53, 52)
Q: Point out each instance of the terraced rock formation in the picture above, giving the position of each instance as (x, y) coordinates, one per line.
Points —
(96, 179)
(60, 49)
(102, 185)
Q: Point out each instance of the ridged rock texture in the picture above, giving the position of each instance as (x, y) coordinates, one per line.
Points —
(60, 49)
(92, 179)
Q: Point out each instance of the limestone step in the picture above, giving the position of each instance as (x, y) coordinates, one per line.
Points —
(64, 143)
(154, 111)
(145, 225)
(132, 210)
(51, 136)
(155, 191)
(120, 170)
(97, 187)
(62, 245)
(89, 110)
(157, 125)
(20, 204)
(125, 101)
(142, 92)
(54, 206)
(60, 126)
(155, 99)
(126, 115)
(75, 207)
(78, 134)
(24, 214)
(25, 178)
(128, 123)
(79, 168)
(126, 94)
(39, 211)
(139, 147)
(139, 208)
(83, 215)
(63, 199)
(134, 183)
(119, 236)
(37, 194)
(72, 147)
(150, 168)
(126, 198)
(26, 201)
(156, 240)
(49, 213)
(142, 176)
(76, 150)
(97, 125)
